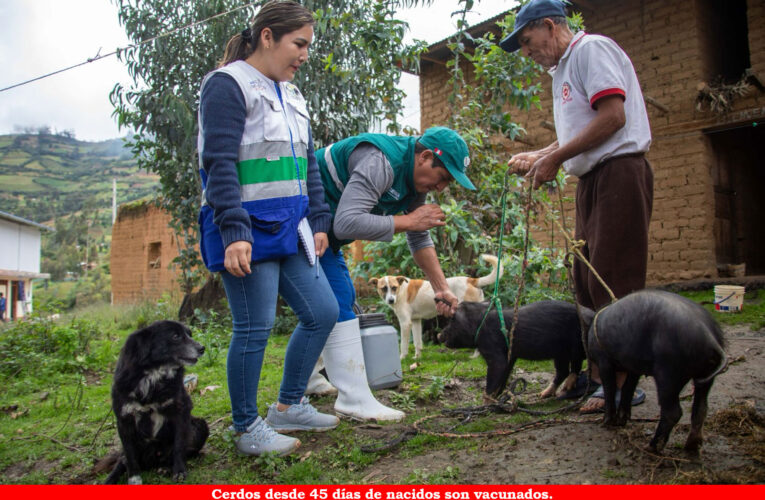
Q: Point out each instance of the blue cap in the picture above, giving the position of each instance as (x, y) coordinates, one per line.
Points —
(535, 9)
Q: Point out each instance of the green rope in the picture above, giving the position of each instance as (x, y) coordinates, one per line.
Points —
(495, 301)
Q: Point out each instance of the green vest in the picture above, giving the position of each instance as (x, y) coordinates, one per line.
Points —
(333, 165)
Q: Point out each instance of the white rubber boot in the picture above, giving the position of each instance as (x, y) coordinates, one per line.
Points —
(344, 362)
(317, 384)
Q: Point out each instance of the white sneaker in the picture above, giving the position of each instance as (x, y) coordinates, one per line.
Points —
(300, 417)
(260, 438)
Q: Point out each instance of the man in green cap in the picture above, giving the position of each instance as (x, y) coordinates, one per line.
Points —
(376, 186)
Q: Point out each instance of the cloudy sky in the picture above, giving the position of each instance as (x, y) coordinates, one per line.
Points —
(42, 36)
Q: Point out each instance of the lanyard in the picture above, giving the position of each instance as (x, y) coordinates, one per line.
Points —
(292, 145)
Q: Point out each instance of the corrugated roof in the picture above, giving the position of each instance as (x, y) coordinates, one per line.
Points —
(23, 221)
(439, 52)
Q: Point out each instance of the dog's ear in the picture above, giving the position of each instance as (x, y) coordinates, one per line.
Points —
(372, 281)
(185, 328)
(401, 280)
(137, 348)
(143, 343)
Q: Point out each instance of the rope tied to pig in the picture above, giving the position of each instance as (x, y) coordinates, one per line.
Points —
(508, 401)
(495, 301)
(574, 249)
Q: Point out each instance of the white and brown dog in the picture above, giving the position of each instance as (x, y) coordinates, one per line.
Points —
(412, 300)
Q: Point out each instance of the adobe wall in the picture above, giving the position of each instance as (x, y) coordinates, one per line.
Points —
(666, 42)
(143, 248)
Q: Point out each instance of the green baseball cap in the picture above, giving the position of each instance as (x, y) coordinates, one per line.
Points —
(450, 148)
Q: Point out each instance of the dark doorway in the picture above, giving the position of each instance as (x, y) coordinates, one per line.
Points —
(739, 176)
(725, 41)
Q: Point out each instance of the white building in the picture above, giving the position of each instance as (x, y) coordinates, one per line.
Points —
(19, 263)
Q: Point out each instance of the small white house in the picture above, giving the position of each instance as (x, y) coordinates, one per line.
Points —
(19, 263)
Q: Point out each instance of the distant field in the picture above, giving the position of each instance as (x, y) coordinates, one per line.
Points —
(14, 158)
(44, 176)
(17, 183)
(57, 184)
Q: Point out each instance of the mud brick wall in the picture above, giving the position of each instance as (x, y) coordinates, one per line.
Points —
(143, 248)
(667, 42)
(756, 32)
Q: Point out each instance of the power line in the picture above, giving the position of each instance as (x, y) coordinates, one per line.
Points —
(98, 56)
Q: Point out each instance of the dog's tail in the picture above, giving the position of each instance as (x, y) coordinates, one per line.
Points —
(496, 268)
(114, 461)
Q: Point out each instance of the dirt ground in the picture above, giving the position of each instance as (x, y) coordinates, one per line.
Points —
(580, 451)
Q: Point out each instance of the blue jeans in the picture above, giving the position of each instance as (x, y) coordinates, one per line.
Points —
(333, 264)
(252, 300)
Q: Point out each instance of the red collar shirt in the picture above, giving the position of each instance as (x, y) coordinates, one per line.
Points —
(593, 67)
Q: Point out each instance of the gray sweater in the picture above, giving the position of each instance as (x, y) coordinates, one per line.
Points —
(370, 176)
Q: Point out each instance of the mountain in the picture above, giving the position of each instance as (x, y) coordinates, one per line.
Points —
(47, 176)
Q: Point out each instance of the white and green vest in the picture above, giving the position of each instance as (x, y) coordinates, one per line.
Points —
(272, 167)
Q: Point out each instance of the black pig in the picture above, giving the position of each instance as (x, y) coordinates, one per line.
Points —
(548, 329)
(668, 337)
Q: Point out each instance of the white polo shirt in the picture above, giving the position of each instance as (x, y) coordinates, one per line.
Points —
(593, 67)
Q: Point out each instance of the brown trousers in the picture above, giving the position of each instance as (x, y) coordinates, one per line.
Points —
(613, 210)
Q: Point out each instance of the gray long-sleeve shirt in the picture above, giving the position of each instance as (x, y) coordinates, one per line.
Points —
(370, 176)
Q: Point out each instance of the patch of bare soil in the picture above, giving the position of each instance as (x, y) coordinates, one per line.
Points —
(578, 450)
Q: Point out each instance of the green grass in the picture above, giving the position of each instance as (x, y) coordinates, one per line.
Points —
(56, 420)
(752, 311)
(62, 420)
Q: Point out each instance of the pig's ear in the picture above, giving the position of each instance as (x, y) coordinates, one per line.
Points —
(402, 279)
(587, 316)
(372, 281)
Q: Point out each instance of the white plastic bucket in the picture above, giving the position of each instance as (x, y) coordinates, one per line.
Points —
(729, 298)
(379, 341)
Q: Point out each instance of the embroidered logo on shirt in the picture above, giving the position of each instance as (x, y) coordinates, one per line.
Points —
(565, 92)
(293, 90)
(393, 193)
(258, 85)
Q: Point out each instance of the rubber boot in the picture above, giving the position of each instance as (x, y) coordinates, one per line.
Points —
(317, 384)
(344, 362)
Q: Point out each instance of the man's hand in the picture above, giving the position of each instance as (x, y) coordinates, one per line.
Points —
(238, 257)
(544, 170)
(321, 242)
(522, 162)
(540, 166)
(446, 303)
(425, 217)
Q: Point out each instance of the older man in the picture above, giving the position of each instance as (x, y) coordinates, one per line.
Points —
(603, 134)
(376, 186)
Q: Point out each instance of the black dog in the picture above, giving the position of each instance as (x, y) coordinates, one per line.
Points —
(548, 329)
(153, 409)
(668, 337)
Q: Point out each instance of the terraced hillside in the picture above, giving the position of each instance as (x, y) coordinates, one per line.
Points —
(45, 176)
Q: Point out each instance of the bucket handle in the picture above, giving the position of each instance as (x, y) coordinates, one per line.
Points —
(726, 298)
